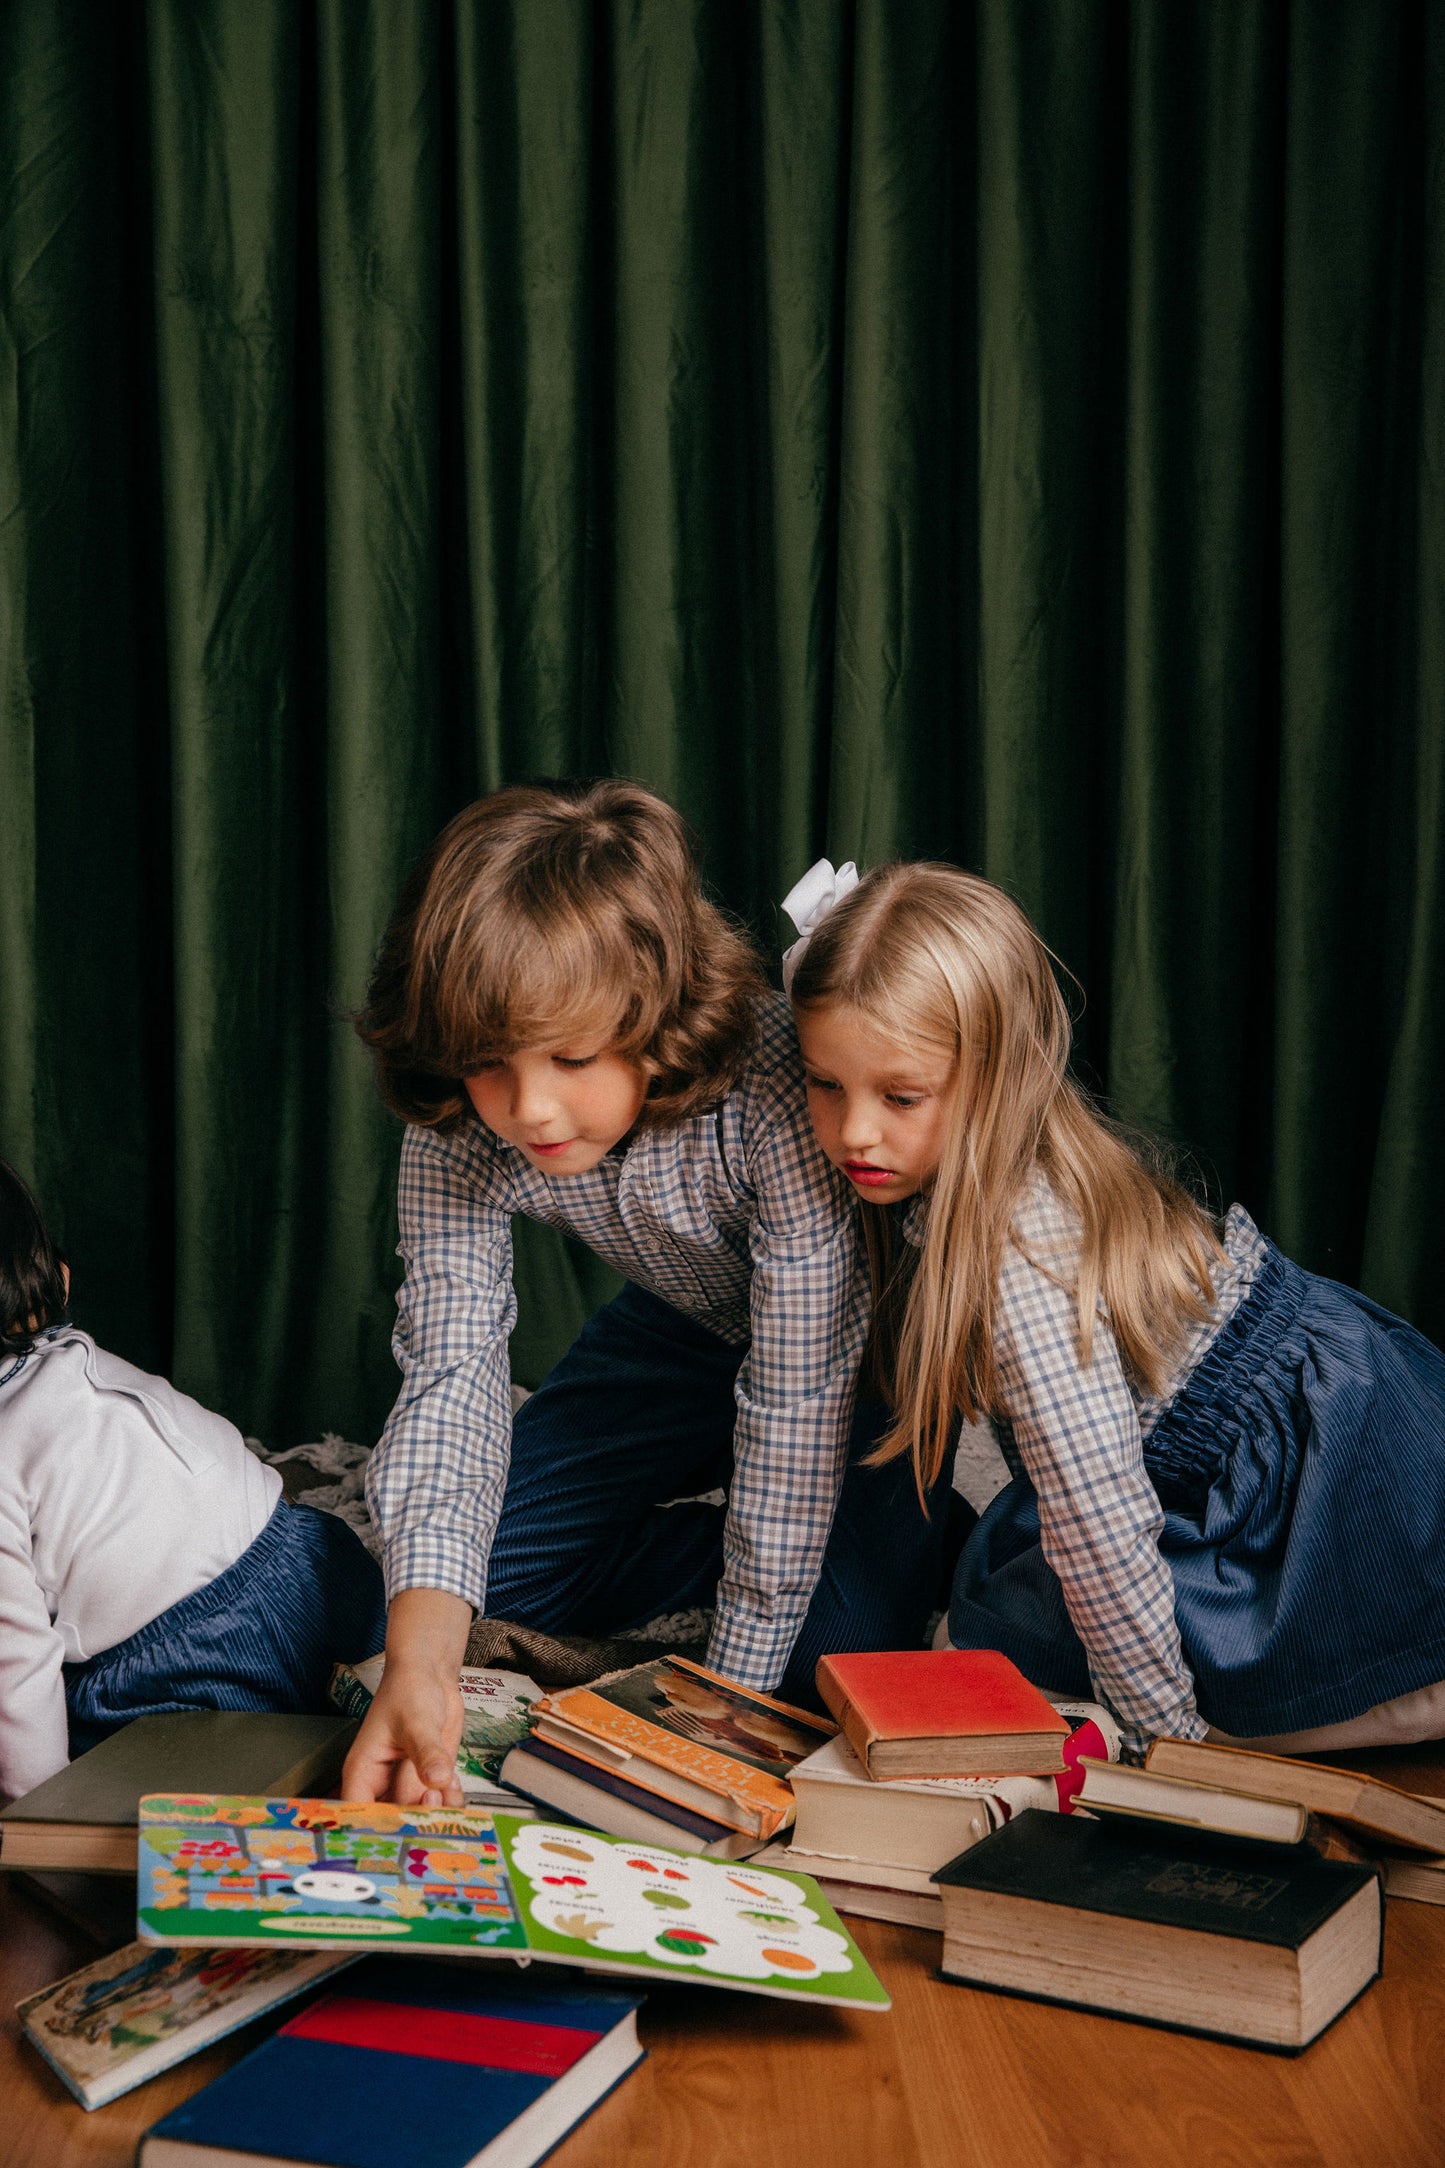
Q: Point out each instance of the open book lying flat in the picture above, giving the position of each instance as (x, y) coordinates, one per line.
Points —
(318, 1874)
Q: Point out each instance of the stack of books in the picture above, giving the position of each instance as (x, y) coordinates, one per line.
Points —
(1174, 1929)
(873, 1841)
(1402, 1832)
(405, 2055)
(667, 1753)
(401, 2060)
(414, 2063)
(1216, 1890)
(83, 1819)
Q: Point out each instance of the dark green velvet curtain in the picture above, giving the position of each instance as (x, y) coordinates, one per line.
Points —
(1009, 431)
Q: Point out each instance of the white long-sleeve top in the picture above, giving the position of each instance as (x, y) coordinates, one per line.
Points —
(118, 1496)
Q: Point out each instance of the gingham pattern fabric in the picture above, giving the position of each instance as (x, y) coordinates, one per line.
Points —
(1078, 1434)
(737, 1220)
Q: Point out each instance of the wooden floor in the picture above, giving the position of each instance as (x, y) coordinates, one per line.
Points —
(949, 2078)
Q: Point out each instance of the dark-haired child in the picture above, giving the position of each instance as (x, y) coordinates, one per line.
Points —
(573, 1032)
(147, 1561)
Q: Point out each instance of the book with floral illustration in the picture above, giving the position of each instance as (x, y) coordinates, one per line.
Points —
(322, 1874)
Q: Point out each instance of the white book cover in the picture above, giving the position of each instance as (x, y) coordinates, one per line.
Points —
(834, 1867)
(835, 1763)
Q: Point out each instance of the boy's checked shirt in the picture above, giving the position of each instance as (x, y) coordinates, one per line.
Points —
(734, 1217)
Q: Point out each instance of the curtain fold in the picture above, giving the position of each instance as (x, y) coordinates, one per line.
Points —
(1007, 432)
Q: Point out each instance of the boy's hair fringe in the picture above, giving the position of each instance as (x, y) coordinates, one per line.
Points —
(550, 911)
(32, 1270)
(936, 956)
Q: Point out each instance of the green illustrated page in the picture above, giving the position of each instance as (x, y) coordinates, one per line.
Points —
(599, 1900)
(314, 1873)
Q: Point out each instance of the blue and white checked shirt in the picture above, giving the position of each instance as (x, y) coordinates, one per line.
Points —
(1078, 1434)
(736, 1219)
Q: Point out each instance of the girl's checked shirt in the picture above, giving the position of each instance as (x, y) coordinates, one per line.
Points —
(734, 1217)
(1078, 1435)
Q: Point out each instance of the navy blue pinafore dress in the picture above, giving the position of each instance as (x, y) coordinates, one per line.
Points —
(1301, 1470)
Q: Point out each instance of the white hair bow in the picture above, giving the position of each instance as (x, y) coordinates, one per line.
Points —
(808, 903)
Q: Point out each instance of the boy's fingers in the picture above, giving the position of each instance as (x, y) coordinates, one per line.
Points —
(440, 1779)
(365, 1775)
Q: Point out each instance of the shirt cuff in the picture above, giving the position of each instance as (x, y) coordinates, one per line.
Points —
(425, 1560)
(752, 1650)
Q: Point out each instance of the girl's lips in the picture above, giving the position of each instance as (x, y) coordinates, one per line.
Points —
(546, 1151)
(858, 1170)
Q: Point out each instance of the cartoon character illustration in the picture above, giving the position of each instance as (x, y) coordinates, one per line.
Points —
(280, 1851)
(334, 1888)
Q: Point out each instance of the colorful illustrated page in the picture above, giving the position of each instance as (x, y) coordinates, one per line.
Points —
(640, 1905)
(106, 2015)
(496, 1716)
(218, 1869)
(324, 1874)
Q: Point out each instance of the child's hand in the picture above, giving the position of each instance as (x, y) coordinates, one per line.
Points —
(406, 1749)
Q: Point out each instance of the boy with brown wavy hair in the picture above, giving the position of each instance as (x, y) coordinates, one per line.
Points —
(574, 1032)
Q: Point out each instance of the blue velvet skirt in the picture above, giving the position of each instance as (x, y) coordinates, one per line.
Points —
(1302, 1476)
(263, 1635)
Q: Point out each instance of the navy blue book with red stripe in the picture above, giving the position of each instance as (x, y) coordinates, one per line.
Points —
(411, 2061)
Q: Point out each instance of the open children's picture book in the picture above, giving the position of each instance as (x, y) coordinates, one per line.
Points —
(318, 1874)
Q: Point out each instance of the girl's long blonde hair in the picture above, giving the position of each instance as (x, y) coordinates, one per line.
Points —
(943, 960)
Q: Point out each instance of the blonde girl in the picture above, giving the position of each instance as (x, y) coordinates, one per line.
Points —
(573, 1032)
(1228, 1495)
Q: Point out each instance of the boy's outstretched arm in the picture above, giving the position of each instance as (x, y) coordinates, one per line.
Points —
(406, 1749)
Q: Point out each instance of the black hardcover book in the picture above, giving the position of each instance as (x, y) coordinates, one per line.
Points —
(1150, 1926)
(1211, 1885)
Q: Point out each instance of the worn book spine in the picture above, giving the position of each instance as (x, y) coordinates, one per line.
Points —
(851, 1721)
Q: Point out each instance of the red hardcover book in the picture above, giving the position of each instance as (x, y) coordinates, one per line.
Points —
(942, 1713)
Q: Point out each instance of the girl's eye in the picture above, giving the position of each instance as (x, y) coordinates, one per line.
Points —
(820, 1084)
(901, 1099)
(574, 1061)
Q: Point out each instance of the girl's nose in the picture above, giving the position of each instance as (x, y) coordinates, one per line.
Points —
(858, 1130)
